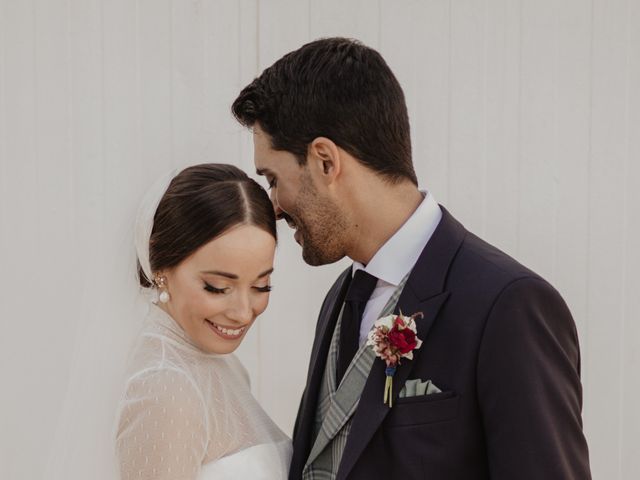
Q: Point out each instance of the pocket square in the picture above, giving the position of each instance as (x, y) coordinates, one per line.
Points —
(416, 387)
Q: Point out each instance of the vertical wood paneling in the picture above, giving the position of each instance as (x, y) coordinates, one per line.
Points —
(609, 149)
(538, 189)
(188, 82)
(4, 223)
(525, 123)
(154, 86)
(630, 337)
(573, 103)
(121, 117)
(4, 166)
(467, 134)
(502, 123)
(226, 24)
(86, 130)
(21, 173)
(283, 25)
(53, 211)
(336, 18)
(248, 69)
(424, 29)
(87, 142)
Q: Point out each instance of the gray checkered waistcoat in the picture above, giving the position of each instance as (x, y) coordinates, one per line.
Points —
(336, 405)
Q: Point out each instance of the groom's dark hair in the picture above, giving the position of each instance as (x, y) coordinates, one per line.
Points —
(336, 88)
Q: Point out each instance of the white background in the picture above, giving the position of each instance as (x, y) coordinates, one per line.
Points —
(525, 120)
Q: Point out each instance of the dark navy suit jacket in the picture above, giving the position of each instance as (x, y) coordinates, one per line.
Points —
(499, 342)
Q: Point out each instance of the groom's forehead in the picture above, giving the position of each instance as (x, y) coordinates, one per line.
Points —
(262, 147)
(260, 137)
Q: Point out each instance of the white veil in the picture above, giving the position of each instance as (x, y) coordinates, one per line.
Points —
(83, 444)
(144, 220)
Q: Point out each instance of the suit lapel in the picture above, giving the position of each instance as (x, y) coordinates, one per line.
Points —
(306, 416)
(424, 292)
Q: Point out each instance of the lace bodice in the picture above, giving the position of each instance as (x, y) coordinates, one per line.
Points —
(184, 409)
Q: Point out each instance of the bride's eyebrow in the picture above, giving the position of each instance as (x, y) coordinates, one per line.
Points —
(265, 273)
(233, 276)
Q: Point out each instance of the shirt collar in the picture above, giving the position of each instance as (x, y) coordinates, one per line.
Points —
(400, 253)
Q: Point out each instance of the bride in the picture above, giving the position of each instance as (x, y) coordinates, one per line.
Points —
(205, 249)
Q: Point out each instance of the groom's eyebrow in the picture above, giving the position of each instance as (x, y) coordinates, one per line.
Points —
(233, 276)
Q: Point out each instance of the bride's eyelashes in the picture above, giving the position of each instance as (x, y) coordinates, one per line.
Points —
(212, 289)
(265, 289)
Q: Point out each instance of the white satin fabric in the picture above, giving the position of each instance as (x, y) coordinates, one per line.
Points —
(187, 414)
(260, 462)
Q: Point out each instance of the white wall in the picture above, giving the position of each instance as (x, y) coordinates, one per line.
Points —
(526, 125)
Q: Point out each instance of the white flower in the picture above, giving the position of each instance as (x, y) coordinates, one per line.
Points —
(385, 322)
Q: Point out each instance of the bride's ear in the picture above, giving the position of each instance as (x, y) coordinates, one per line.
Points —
(324, 159)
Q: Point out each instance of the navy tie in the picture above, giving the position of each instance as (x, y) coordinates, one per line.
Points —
(360, 289)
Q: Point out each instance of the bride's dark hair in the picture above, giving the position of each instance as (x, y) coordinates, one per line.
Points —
(201, 203)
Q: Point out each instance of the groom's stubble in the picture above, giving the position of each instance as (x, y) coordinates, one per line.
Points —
(321, 223)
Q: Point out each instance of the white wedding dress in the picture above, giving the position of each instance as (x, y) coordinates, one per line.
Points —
(190, 415)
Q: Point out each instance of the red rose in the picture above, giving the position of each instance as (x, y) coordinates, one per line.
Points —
(404, 340)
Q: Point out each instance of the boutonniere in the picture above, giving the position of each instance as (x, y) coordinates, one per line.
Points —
(394, 337)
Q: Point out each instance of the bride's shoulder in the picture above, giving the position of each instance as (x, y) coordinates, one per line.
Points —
(164, 392)
(162, 405)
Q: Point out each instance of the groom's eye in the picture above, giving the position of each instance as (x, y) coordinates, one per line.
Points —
(212, 289)
(272, 183)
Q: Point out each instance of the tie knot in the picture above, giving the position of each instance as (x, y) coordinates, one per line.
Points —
(361, 287)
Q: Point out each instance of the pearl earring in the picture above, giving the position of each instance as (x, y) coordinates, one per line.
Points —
(161, 283)
(164, 296)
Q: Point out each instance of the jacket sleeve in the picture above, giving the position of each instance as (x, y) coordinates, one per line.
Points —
(529, 386)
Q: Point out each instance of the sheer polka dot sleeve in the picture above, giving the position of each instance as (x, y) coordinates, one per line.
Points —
(162, 429)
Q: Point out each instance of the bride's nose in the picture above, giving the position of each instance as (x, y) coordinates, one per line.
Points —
(240, 309)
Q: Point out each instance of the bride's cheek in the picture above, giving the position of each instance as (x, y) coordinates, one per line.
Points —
(262, 305)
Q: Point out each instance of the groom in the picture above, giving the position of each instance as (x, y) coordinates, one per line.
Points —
(494, 390)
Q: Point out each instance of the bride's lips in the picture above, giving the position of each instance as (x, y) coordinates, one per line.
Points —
(224, 332)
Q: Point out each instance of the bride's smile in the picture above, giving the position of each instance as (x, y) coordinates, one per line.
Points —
(228, 333)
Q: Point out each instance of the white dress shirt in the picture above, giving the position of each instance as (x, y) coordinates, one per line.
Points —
(396, 258)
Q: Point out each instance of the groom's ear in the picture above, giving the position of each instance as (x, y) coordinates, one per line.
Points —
(324, 158)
